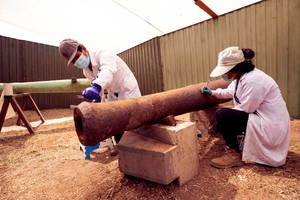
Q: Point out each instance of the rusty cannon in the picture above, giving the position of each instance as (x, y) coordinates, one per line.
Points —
(95, 122)
(72, 85)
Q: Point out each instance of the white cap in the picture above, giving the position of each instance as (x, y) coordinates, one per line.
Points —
(227, 59)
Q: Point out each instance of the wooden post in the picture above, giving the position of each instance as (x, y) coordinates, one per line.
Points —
(12, 100)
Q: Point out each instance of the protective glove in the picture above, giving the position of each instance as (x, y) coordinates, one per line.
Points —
(92, 92)
(205, 90)
(88, 149)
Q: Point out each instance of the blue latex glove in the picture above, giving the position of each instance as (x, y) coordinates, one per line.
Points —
(92, 93)
(206, 90)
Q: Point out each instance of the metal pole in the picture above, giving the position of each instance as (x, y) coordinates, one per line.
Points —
(54, 86)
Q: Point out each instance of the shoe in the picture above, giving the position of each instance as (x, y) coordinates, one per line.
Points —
(228, 161)
(114, 151)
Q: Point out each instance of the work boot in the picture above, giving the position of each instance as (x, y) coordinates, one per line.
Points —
(232, 158)
(114, 151)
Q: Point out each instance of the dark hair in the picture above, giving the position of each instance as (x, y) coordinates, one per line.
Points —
(79, 48)
(247, 65)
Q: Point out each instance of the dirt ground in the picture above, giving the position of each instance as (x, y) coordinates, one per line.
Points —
(49, 165)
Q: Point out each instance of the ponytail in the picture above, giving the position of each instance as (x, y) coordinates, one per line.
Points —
(247, 65)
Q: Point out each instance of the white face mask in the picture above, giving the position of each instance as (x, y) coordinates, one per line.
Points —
(225, 78)
(82, 62)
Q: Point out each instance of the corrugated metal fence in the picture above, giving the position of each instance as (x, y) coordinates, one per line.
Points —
(271, 28)
(181, 58)
(145, 62)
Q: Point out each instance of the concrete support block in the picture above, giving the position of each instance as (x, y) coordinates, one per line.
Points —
(205, 119)
(160, 153)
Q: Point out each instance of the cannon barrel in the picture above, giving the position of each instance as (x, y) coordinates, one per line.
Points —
(54, 86)
(95, 122)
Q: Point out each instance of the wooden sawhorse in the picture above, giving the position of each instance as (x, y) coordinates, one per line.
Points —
(19, 109)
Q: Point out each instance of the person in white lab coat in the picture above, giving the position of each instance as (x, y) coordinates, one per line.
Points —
(259, 115)
(105, 70)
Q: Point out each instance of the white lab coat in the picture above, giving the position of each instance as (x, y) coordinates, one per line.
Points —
(268, 128)
(112, 74)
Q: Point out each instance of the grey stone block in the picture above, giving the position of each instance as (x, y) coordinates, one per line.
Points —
(160, 153)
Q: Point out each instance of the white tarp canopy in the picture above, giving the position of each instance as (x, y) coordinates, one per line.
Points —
(116, 25)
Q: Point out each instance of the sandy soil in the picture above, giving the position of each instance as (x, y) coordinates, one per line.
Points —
(49, 165)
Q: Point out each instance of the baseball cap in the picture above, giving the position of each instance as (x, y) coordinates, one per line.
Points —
(68, 48)
(227, 59)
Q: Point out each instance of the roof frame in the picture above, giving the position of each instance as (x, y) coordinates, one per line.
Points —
(205, 8)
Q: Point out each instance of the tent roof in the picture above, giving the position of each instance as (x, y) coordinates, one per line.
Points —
(104, 24)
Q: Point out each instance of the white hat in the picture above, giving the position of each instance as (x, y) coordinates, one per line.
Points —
(227, 59)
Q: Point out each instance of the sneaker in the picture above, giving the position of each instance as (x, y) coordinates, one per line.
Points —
(114, 151)
(228, 161)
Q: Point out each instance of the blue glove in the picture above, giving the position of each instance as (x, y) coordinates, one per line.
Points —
(92, 92)
(205, 90)
(88, 149)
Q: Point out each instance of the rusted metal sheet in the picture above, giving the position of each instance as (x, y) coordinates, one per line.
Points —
(95, 122)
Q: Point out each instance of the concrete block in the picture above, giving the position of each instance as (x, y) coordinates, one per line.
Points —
(160, 153)
(205, 119)
(146, 158)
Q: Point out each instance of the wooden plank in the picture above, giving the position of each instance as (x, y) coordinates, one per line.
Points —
(18, 109)
(204, 7)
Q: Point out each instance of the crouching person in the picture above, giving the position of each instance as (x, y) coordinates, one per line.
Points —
(259, 115)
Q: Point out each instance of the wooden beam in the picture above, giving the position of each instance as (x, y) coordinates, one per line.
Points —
(204, 7)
